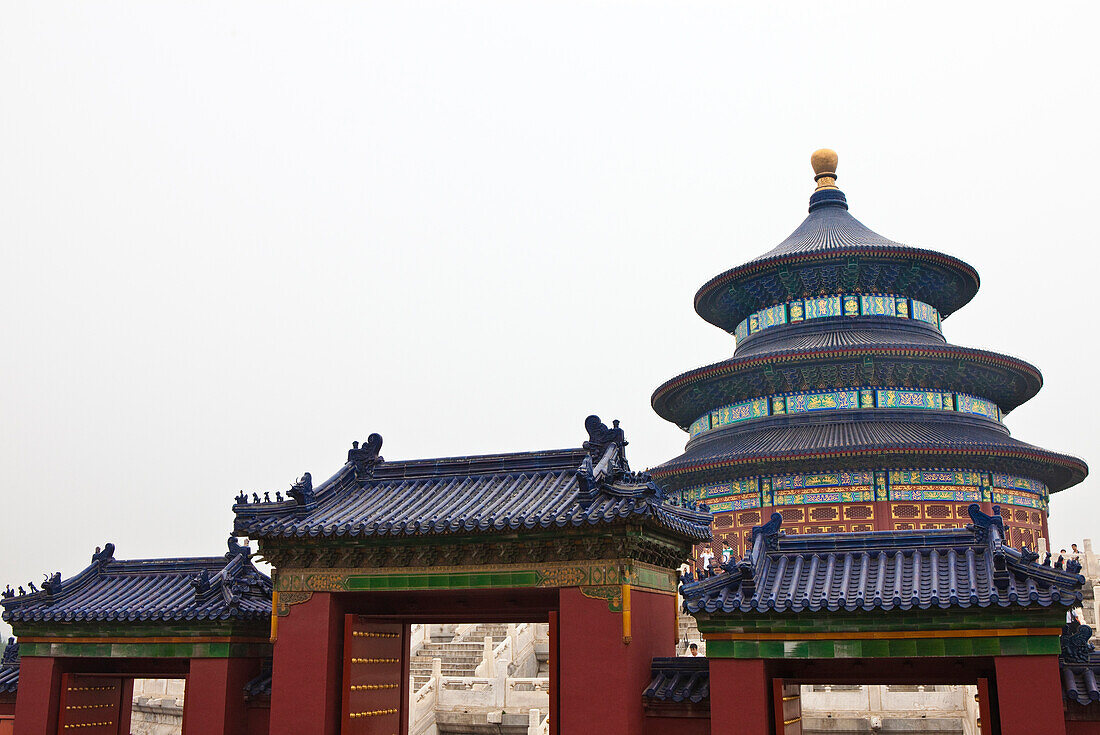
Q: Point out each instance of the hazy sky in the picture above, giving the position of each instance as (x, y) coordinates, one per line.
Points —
(238, 235)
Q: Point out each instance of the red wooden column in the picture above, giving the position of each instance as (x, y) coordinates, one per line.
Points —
(36, 705)
(740, 700)
(1029, 695)
(307, 668)
(602, 676)
(215, 693)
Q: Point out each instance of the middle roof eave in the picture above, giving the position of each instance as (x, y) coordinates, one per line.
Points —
(1005, 380)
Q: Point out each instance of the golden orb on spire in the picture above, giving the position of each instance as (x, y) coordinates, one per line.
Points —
(824, 162)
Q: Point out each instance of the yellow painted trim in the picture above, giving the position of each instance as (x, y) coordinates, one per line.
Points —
(274, 615)
(626, 613)
(883, 635)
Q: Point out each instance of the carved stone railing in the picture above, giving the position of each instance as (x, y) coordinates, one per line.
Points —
(423, 701)
(500, 693)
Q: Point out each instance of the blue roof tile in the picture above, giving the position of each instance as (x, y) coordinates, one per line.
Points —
(883, 570)
(477, 494)
(201, 588)
(9, 668)
(680, 679)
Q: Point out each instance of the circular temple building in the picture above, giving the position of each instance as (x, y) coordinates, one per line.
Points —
(843, 407)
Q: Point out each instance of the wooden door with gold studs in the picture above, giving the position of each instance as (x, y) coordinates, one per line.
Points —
(788, 707)
(90, 705)
(376, 677)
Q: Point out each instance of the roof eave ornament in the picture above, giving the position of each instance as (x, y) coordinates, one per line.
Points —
(366, 458)
(991, 529)
(1075, 643)
(600, 438)
(302, 492)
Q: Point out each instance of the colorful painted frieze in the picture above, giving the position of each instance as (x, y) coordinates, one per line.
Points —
(1012, 482)
(935, 477)
(823, 479)
(754, 409)
(824, 306)
(909, 399)
(1015, 497)
(733, 487)
(774, 316)
(802, 497)
(935, 492)
(970, 404)
(699, 426)
(878, 305)
(825, 401)
(736, 502)
(925, 313)
(742, 330)
(838, 305)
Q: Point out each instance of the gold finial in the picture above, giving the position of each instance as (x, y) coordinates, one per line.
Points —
(824, 162)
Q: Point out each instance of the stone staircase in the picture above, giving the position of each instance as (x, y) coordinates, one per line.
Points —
(689, 633)
(459, 657)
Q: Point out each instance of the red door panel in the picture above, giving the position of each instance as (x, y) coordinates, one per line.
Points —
(90, 704)
(375, 678)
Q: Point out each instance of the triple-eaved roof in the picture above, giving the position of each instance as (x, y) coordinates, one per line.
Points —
(211, 588)
(523, 491)
(883, 570)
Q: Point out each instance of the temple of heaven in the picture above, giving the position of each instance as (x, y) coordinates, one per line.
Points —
(843, 407)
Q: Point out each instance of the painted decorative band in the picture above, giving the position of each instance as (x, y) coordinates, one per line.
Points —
(844, 399)
(869, 485)
(819, 307)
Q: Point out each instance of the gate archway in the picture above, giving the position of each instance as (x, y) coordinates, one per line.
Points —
(569, 537)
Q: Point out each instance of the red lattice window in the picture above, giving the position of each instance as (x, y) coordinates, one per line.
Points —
(1027, 536)
(1020, 516)
(792, 531)
(1016, 536)
(906, 511)
(815, 529)
(858, 512)
(862, 527)
(961, 511)
(836, 529)
(903, 526)
(792, 515)
(723, 521)
(937, 511)
(826, 513)
(752, 518)
(1036, 520)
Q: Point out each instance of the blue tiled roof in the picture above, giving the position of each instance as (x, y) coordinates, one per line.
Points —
(478, 494)
(794, 268)
(883, 570)
(260, 686)
(9, 668)
(680, 679)
(9, 678)
(1079, 682)
(924, 439)
(200, 588)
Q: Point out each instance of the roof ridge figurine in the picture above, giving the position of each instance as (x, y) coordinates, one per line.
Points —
(105, 556)
(367, 457)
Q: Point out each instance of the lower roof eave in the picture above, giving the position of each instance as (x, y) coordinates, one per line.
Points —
(1057, 471)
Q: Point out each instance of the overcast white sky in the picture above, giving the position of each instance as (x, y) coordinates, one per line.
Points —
(238, 235)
